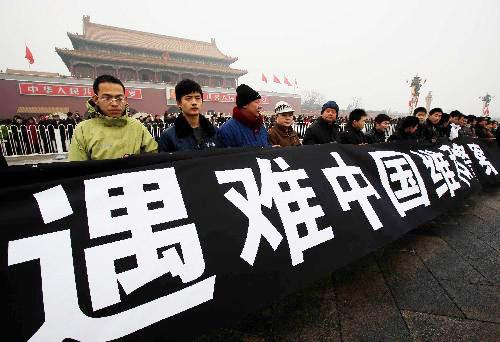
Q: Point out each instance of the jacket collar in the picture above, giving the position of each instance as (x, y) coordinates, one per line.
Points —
(254, 124)
(325, 123)
(283, 129)
(183, 129)
(95, 113)
(350, 128)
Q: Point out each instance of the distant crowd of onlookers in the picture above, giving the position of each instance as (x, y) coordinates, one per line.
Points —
(109, 130)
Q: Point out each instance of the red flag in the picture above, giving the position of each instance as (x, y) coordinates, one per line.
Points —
(286, 81)
(276, 79)
(264, 78)
(29, 56)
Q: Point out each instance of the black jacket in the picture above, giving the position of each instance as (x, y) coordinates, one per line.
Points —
(180, 136)
(352, 136)
(375, 136)
(401, 135)
(3, 162)
(430, 132)
(321, 132)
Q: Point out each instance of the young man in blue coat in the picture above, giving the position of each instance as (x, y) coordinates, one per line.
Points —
(191, 130)
(246, 127)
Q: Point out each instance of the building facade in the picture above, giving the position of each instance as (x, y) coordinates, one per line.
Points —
(146, 57)
(30, 93)
(149, 65)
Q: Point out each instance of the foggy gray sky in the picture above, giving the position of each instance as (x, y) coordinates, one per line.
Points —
(342, 49)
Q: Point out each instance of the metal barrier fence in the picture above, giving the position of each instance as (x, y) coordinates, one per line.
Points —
(19, 140)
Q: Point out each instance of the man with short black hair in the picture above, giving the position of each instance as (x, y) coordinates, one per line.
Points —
(482, 130)
(377, 133)
(353, 132)
(110, 133)
(323, 130)
(454, 128)
(431, 132)
(421, 114)
(190, 130)
(469, 129)
(407, 130)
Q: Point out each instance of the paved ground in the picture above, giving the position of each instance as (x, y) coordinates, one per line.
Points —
(36, 159)
(440, 282)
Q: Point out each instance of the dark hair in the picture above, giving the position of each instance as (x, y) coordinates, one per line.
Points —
(409, 121)
(186, 87)
(455, 113)
(381, 118)
(357, 114)
(435, 110)
(481, 119)
(418, 110)
(471, 118)
(444, 118)
(106, 79)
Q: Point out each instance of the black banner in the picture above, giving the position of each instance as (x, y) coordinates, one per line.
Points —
(169, 246)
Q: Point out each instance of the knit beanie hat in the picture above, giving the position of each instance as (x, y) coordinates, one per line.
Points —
(330, 104)
(245, 95)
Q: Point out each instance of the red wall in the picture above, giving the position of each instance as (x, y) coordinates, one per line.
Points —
(153, 101)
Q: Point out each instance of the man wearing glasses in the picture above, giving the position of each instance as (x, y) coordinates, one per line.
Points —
(110, 133)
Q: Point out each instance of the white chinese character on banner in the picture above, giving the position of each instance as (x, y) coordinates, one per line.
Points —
(440, 172)
(295, 196)
(141, 193)
(33, 88)
(464, 169)
(87, 91)
(131, 93)
(138, 202)
(60, 90)
(357, 192)
(74, 91)
(481, 158)
(47, 89)
(401, 180)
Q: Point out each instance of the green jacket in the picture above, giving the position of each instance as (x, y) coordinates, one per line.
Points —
(103, 137)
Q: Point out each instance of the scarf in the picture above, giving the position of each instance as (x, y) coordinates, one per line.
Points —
(254, 123)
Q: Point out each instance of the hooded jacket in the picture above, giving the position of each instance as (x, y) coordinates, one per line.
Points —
(103, 137)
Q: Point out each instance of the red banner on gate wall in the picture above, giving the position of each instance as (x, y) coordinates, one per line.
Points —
(49, 89)
(225, 97)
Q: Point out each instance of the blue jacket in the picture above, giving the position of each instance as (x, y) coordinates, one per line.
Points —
(233, 133)
(180, 136)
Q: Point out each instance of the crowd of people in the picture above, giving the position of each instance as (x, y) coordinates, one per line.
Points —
(36, 134)
(109, 131)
